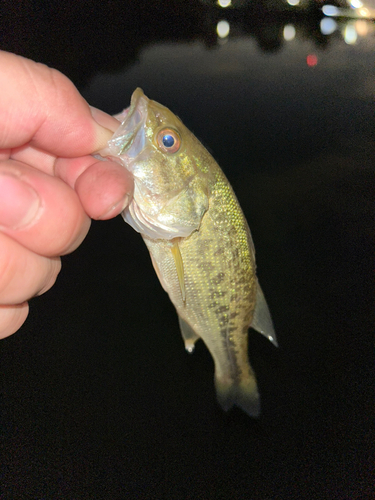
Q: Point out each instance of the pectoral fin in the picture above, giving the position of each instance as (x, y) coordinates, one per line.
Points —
(175, 249)
(262, 321)
(188, 334)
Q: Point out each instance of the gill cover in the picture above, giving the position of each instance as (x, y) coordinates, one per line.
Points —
(170, 196)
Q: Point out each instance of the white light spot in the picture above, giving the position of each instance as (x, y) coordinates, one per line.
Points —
(224, 3)
(364, 12)
(222, 29)
(356, 4)
(293, 3)
(350, 34)
(327, 26)
(330, 10)
(289, 32)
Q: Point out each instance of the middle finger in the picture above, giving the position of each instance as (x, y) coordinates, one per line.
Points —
(34, 157)
(57, 223)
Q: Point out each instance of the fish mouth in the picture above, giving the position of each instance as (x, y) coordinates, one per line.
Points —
(130, 139)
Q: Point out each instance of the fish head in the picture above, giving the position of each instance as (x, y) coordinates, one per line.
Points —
(171, 176)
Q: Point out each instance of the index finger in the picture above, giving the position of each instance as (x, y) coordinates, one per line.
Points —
(41, 106)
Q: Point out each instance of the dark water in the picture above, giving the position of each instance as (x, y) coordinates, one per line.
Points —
(99, 398)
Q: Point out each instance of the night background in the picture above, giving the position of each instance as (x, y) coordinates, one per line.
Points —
(99, 399)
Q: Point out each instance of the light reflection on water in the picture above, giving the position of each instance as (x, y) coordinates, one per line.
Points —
(252, 104)
(171, 70)
(299, 113)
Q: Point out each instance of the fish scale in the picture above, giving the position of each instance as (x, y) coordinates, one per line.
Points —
(199, 241)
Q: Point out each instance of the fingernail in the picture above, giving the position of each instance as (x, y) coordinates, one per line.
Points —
(19, 202)
(107, 126)
(116, 209)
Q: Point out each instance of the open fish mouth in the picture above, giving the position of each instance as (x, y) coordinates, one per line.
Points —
(130, 139)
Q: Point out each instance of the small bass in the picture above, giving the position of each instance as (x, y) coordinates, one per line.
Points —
(199, 241)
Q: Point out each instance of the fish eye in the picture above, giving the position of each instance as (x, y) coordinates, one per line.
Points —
(168, 140)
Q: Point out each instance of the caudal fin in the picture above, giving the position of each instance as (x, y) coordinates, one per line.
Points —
(243, 394)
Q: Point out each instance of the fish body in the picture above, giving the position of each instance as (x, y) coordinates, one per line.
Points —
(199, 241)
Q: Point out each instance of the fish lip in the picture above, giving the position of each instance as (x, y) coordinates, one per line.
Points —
(129, 139)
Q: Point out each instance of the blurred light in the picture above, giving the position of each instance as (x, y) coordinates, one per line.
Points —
(327, 26)
(356, 4)
(289, 32)
(222, 29)
(330, 10)
(225, 3)
(350, 34)
(361, 27)
(311, 60)
(364, 12)
(293, 3)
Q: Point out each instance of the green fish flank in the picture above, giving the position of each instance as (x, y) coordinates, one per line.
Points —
(199, 241)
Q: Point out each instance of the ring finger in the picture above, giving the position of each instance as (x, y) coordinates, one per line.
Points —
(12, 318)
(24, 274)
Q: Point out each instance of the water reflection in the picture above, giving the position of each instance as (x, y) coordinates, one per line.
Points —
(289, 32)
(224, 3)
(350, 17)
(349, 29)
(348, 8)
(350, 34)
(328, 26)
(269, 37)
(222, 29)
(126, 28)
(273, 22)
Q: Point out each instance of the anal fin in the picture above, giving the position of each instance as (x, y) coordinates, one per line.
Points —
(262, 321)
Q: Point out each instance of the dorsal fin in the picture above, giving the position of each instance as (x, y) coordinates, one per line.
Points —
(262, 321)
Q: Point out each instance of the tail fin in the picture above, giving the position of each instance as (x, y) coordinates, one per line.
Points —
(243, 394)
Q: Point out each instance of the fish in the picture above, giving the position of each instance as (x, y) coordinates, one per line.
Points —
(199, 241)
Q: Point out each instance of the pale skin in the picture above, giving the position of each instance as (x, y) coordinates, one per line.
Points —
(50, 185)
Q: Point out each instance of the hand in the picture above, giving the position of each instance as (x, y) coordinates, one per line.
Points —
(50, 186)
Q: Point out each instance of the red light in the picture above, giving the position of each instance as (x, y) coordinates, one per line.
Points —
(311, 60)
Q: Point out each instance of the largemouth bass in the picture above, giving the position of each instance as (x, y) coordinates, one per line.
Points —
(199, 241)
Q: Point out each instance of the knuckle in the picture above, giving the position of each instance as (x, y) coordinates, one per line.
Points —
(54, 268)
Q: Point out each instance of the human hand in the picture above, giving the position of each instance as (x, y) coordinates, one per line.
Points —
(50, 186)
